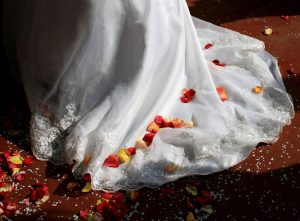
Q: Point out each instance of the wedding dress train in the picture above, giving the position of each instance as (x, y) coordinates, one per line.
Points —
(96, 73)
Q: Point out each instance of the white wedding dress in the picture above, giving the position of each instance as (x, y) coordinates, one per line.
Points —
(96, 72)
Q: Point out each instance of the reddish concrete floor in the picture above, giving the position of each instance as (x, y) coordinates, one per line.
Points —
(266, 186)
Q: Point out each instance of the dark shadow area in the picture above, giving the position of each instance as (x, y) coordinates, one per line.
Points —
(218, 12)
(292, 85)
(238, 195)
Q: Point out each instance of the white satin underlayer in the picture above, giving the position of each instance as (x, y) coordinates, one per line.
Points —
(96, 72)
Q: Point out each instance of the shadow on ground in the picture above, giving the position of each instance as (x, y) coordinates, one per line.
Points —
(222, 11)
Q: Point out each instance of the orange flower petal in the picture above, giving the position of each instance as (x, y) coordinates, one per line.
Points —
(177, 123)
(258, 89)
(153, 127)
(87, 159)
(171, 168)
(222, 93)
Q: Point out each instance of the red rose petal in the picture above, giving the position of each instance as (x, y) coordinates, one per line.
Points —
(148, 138)
(285, 17)
(190, 93)
(185, 99)
(131, 150)
(27, 161)
(101, 206)
(107, 195)
(11, 206)
(202, 200)
(159, 120)
(87, 177)
(83, 214)
(2, 175)
(33, 196)
(20, 176)
(111, 161)
(207, 46)
(7, 213)
(217, 62)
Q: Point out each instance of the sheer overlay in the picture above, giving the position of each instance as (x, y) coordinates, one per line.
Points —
(96, 72)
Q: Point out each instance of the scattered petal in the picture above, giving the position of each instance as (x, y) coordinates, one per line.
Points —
(192, 190)
(148, 137)
(5, 188)
(140, 144)
(190, 217)
(258, 90)
(124, 155)
(83, 214)
(87, 159)
(189, 124)
(189, 204)
(207, 209)
(268, 31)
(111, 161)
(87, 188)
(159, 120)
(44, 199)
(167, 123)
(222, 94)
(87, 177)
(153, 127)
(20, 176)
(2, 175)
(17, 160)
(218, 63)
(285, 17)
(131, 150)
(207, 46)
(107, 195)
(188, 95)
(27, 161)
(177, 123)
(171, 168)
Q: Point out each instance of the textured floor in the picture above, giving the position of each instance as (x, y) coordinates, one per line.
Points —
(266, 186)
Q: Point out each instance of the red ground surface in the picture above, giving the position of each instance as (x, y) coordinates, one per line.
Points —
(266, 186)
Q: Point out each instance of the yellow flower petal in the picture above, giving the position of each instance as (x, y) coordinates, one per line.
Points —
(87, 188)
(15, 171)
(124, 155)
(192, 190)
(207, 208)
(190, 217)
(44, 199)
(99, 201)
(189, 124)
(18, 160)
(268, 31)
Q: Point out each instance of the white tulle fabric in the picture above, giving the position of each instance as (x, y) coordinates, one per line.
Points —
(96, 72)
